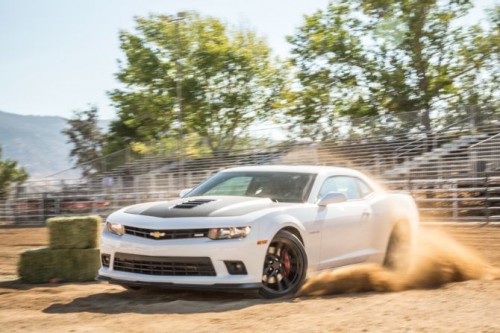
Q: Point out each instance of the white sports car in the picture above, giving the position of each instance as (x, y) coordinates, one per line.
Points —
(263, 227)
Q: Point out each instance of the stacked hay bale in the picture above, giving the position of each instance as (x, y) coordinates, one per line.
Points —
(72, 255)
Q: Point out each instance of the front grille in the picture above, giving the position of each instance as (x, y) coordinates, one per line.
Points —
(166, 234)
(165, 266)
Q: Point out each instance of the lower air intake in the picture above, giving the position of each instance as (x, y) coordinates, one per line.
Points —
(163, 266)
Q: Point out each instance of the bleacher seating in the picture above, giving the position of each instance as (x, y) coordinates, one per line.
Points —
(395, 157)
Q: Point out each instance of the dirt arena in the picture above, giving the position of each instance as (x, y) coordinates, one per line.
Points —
(469, 306)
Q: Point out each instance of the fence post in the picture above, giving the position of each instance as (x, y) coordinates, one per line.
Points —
(487, 198)
(455, 201)
(95, 199)
(377, 163)
(42, 207)
(409, 183)
(473, 162)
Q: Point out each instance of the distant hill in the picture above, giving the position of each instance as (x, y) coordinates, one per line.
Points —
(37, 143)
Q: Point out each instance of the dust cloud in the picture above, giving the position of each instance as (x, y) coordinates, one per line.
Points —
(436, 259)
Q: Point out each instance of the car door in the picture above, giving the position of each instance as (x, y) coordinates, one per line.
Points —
(345, 226)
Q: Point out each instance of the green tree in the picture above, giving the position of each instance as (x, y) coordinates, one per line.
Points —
(373, 57)
(10, 174)
(226, 77)
(87, 140)
(483, 80)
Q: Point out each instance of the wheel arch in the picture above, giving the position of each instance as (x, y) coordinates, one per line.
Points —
(277, 222)
(404, 211)
(401, 224)
(295, 232)
(394, 212)
(399, 246)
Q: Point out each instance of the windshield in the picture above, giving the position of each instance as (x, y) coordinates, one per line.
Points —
(278, 186)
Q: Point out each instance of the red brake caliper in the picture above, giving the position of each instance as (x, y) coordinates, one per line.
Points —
(286, 262)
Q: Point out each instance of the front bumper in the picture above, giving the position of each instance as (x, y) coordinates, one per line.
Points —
(218, 251)
(217, 286)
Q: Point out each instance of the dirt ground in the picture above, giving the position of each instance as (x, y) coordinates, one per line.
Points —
(470, 306)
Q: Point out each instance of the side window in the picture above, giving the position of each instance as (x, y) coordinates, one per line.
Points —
(328, 186)
(364, 188)
(341, 184)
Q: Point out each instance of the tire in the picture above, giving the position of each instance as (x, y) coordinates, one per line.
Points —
(398, 253)
(285, 266)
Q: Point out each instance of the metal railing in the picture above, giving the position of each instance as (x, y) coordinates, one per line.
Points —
(484, 156)
(160, 172)
(433, 140)
(460, 199)
(35, 209)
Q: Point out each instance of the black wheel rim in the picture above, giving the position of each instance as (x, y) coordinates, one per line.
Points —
(283, 267)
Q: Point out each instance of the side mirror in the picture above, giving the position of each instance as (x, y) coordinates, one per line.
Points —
(332, 197)
(185, 191)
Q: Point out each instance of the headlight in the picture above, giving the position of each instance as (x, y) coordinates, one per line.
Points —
(115, 228)
(228, 233)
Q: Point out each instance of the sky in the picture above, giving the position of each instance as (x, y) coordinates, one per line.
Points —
(58, 56)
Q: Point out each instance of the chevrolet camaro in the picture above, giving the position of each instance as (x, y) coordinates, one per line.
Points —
(259, 227)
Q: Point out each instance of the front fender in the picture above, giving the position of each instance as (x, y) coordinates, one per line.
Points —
(271, 224)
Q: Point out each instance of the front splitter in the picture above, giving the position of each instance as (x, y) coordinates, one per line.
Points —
(208, 287)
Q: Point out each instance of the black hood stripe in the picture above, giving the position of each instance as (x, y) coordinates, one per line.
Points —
(202, 207)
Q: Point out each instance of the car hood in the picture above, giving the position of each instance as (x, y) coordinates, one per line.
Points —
(216, 206)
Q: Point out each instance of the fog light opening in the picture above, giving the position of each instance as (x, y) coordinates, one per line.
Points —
(105, 260)
(236, 267)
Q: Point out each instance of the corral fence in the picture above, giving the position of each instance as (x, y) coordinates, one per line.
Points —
(462, 199)
(453, 173)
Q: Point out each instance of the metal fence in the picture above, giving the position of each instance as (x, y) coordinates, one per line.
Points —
(461, 199)
(35, 209)
(451, 172)
(485, 155)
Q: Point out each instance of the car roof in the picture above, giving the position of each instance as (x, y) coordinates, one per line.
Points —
(296, 168)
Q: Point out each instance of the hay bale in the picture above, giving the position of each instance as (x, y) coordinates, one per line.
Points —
(35, 266)
(79, 232)
(68, 265)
